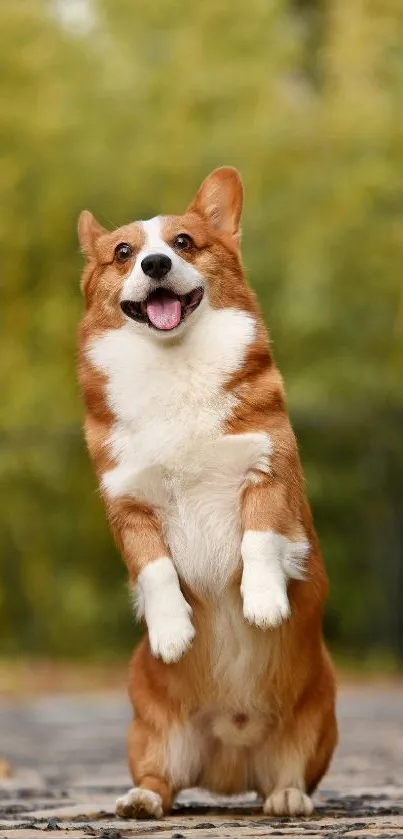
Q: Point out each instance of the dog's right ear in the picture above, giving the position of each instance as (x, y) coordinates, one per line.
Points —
(89, 232)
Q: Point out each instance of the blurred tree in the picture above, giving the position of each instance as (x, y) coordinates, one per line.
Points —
(124, 107)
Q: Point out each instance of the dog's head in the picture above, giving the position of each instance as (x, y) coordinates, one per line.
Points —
(160, 274)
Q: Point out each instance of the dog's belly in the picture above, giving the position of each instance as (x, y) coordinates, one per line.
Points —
(201, 523)
(217, 749)
(195, 490)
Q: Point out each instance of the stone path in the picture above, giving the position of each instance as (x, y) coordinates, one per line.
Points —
(67, 754)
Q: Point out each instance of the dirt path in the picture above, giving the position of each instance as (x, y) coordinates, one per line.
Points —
(68, 758)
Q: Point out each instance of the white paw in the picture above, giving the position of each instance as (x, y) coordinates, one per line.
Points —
(265, 607)
(288, 802)
(171, 635)
(167, 613)
(139, 804)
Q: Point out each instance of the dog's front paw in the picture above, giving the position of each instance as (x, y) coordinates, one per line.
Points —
(264, 582)
(171, 635)
(167, 613)
(265, 607)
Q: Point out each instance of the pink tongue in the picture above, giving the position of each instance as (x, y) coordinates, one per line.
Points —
(164, 313)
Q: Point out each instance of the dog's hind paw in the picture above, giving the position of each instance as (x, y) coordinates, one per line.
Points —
(139, 803)
(288, 802)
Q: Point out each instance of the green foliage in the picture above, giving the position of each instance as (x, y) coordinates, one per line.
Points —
(124, 109)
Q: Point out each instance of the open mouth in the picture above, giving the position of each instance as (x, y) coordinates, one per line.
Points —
(163, 309)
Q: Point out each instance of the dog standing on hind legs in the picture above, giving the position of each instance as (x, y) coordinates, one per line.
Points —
(186, 423)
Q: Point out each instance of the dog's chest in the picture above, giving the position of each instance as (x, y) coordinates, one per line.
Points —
(170, 405)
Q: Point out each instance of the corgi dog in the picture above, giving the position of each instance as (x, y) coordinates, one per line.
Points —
(186, 423)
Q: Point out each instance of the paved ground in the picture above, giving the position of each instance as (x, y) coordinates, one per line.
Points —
(68, 758)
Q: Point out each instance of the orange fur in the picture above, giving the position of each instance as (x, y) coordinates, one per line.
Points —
(188, 712)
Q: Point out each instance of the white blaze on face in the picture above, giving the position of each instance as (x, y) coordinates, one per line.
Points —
(164, 309)
(164, 312)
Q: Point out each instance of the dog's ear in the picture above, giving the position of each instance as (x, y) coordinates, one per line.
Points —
(220, 200)
(88, 232)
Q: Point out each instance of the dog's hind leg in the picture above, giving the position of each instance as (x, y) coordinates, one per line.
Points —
(288, 767)
(162, 762)
(152, 794)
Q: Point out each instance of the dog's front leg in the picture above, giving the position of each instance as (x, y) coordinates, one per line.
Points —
(269, 556)
(264, 580)
(153, 577)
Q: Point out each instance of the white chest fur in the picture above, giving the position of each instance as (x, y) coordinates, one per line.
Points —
(167, 440)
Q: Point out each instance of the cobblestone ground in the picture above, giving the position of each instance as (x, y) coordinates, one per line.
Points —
(67, 754)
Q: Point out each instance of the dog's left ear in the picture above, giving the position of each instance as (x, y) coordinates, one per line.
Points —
(89, 230)
(220, 200)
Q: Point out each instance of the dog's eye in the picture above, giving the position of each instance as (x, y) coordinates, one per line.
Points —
(183, 242)
(123, 252)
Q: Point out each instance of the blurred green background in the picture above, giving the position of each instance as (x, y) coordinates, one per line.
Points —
(123, 107)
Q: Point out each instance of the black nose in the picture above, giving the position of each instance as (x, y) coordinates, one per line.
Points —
(156, 265)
